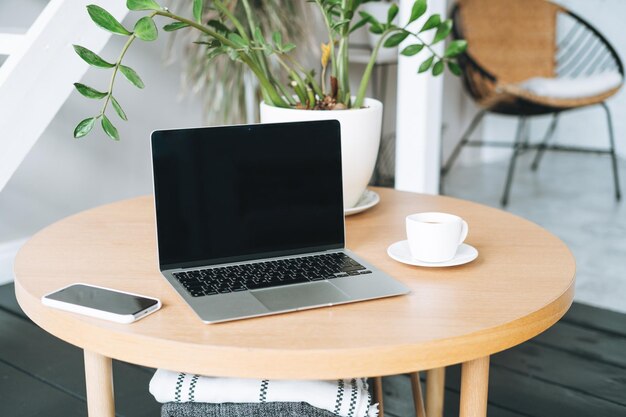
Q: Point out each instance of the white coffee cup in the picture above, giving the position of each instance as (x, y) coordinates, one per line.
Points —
(435, 237)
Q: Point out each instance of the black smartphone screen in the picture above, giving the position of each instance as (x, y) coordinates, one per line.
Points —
(102, 299)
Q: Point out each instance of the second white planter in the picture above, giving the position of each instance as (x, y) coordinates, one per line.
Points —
(360, 139)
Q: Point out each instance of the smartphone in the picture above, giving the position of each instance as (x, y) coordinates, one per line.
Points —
(102, 303)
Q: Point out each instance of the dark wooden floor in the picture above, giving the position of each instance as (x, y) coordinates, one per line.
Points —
(577, 368)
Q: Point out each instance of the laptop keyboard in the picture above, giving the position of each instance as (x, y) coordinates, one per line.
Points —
(221, 280)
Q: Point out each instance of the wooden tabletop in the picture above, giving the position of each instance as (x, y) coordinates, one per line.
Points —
(521, 284)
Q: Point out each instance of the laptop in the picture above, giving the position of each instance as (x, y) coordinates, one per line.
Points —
(250, 220)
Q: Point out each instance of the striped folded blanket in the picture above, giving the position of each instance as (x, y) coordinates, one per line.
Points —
(343, 397)
(243, 410)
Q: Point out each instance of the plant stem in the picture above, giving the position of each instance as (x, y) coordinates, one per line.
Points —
(269, 88)
(331, 42)
(429, 47)
(331, 39)
(343, 67)
(301, 91)
(286, 94)
(308, 76)
(220, 7)
(198, 26)
(260, 56)
(360, 95)
(130, 40)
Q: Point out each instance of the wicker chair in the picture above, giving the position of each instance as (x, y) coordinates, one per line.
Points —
(511, 43)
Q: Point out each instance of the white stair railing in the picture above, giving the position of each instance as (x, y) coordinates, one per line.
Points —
(37, 77)
(10, 42)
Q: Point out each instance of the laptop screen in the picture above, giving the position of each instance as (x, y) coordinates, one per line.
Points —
(228, 194)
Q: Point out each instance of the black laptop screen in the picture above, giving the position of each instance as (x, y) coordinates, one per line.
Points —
(227, 194)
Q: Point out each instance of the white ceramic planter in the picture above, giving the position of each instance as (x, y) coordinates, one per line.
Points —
(360, 138)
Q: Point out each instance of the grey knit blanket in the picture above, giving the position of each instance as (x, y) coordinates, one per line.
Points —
(271, 409)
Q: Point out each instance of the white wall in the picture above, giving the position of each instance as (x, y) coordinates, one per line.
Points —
(62, 175)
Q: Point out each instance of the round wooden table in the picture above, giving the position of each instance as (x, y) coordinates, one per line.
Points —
(521, 284)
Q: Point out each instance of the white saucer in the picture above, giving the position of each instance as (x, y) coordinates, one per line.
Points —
(400, 252)
(368, 200)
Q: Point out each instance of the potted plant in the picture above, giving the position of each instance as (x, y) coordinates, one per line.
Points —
(294, 92)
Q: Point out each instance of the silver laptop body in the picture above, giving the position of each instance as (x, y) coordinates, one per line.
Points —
(232, 202)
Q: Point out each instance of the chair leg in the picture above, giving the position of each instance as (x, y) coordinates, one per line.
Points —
(459, 146)
(418, 399)
(542, 146)
(618, 194)
(378, 395)
(517, 148)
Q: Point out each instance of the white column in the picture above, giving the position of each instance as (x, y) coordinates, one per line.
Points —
(418, 123)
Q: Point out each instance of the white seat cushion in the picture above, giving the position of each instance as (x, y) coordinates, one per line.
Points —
(568, 88)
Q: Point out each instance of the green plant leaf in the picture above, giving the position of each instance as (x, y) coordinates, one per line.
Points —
(438, 67)
(218, 26)
(109, 129)
(370, 18)
(268, 49)
(84, 127)
(340, 23)
(277, 37)
(431, 23)
(132, 76)
(214, 53)
(395, 39)
(237, 40)
(455, 48)
(454, 68)
(105, 20)
(288, 47)
(358, 25)
(91, 57)
(198, 5)
(118, 109)
(233, 54)
(418, 10)
(258, 36)
(89, 92)
(145, 29)
(392, 12)
(142, 5)
(213, 43)
(426, 65)
(412, 49)
(442, 31)
(376, 28)
(174, 26)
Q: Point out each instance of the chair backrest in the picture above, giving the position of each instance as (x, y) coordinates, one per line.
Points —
(512, 39)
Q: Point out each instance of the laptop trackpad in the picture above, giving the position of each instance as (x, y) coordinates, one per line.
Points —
(292, 297)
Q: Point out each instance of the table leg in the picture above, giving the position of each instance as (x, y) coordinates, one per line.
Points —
(418, 400)
(474, 387)
(435, 390)
(99, 380)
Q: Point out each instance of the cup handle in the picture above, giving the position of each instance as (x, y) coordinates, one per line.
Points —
(464, 231)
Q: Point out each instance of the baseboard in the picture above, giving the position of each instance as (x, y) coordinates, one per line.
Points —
(8, 250)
